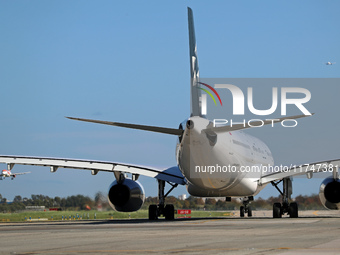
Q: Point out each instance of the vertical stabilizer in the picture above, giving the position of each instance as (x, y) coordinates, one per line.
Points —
(195, 109)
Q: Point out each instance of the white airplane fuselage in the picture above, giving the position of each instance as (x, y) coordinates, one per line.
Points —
(6, 173)
(219, 164)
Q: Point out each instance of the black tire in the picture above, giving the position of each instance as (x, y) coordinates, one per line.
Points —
(169, 212)
(277, 210)
(153, 212)
(250, 212)
(242, 211)
(293, 210)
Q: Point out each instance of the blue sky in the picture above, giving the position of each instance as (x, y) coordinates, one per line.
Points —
(129, 62)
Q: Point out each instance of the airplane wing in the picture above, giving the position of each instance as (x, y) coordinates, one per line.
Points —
(172, 174)
(329, 166)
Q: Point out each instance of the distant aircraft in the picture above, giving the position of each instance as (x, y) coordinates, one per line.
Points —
(330, 63)
(8, 173)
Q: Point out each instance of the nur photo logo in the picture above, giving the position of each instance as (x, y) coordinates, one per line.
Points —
(281, 99)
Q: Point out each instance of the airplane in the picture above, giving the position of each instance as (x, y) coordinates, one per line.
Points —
(199, 143)
(330, 63)
(8, 173)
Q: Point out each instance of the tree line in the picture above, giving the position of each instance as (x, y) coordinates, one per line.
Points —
(80, 202)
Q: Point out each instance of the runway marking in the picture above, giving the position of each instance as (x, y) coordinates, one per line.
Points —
(316, 213)
(200, 222)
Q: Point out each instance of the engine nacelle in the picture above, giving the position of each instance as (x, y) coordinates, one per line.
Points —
(330, 193)
(127, 196)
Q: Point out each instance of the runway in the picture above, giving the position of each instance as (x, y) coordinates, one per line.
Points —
(258, 235)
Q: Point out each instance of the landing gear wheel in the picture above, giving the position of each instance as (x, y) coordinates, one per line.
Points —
(281, 209)
(277, 210)
(293, 210)
(153, 212)
(242, 211)
(169, 212)
(250, 212)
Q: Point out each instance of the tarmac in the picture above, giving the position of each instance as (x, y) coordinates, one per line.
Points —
(315, 232)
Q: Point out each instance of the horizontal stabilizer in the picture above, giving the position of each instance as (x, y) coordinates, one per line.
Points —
(252, 124)
(170, 131)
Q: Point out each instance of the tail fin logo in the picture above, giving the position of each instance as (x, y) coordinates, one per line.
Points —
(204, 99)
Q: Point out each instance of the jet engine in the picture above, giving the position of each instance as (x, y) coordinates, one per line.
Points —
(126, 196)
(330, 193)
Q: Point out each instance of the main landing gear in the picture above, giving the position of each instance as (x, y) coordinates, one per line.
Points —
(280, 209)
(245, 208)
(168, 211)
